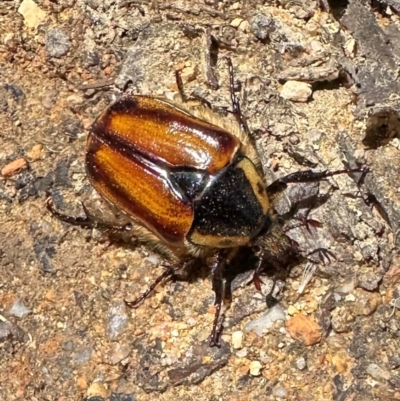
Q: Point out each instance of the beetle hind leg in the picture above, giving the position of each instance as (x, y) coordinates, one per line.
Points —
(88, 221)
(168, 273)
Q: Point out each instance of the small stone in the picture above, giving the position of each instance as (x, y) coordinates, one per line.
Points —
(83, 356)
(296, 91)
(235, 6)
(237, 339)
(91, 58)
(267, 320)
(57, 43)
(242, 353)
(261, 26)
(32, 13)
(365, 302)
(346, 288)
(340, 361)
(35, 153)
(118, 353)
(280, 392)
(81, 382)
(19, 309)
(377, 372)
(292, 310)
(244, 26)
(175, 333)
(304, 329)
(8, 330)
(301, 363)
(14, 167)
(342, 319)
(255, 368)
(117, 320)
(97, 389)
(236, 22)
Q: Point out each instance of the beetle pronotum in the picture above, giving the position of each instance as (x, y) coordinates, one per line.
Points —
(190, 182)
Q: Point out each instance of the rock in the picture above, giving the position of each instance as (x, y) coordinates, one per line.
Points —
(83, 356)
(118, 353)
(342, 319)
(237, 338)
(14, 167)
(339, 360)
(301, 363)
(296, 91)
(19, 309)
(10, 330)
(32, 13)
(377, 372)
(117, 320)
(365, 302)
(36, 152)
(280, 392)
(345, 288)
(97, 389)
(304, 329)
(236, 22)
(57, 43)
(255, 368)
(267, 320)
(261, 26)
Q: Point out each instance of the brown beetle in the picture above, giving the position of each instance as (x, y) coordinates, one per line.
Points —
(191, 183)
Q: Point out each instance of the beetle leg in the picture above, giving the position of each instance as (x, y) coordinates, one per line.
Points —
(168, 273)
(223, 257)
(218, 287)
(185, 98)
(280, 184)
(323, 253)
(88, 221)
(237, 111)
(179, 84)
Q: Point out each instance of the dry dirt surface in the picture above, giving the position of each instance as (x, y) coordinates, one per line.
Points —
(318, 82)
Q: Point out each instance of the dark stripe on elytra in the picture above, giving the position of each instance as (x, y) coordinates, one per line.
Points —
(101, 133)
(130, 106)
(98, 175)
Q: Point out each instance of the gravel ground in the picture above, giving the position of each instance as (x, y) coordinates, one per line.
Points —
(318, 84)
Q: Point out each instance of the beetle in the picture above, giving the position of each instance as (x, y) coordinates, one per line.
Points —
(190, 182)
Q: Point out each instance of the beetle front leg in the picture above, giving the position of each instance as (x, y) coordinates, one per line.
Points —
(280, 184)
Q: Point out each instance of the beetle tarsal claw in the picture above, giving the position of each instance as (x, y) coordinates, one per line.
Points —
(324, 255)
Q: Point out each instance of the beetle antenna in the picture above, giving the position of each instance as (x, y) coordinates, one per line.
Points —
(237, 111)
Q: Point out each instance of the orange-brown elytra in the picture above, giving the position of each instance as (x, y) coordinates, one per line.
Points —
(190, 182)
